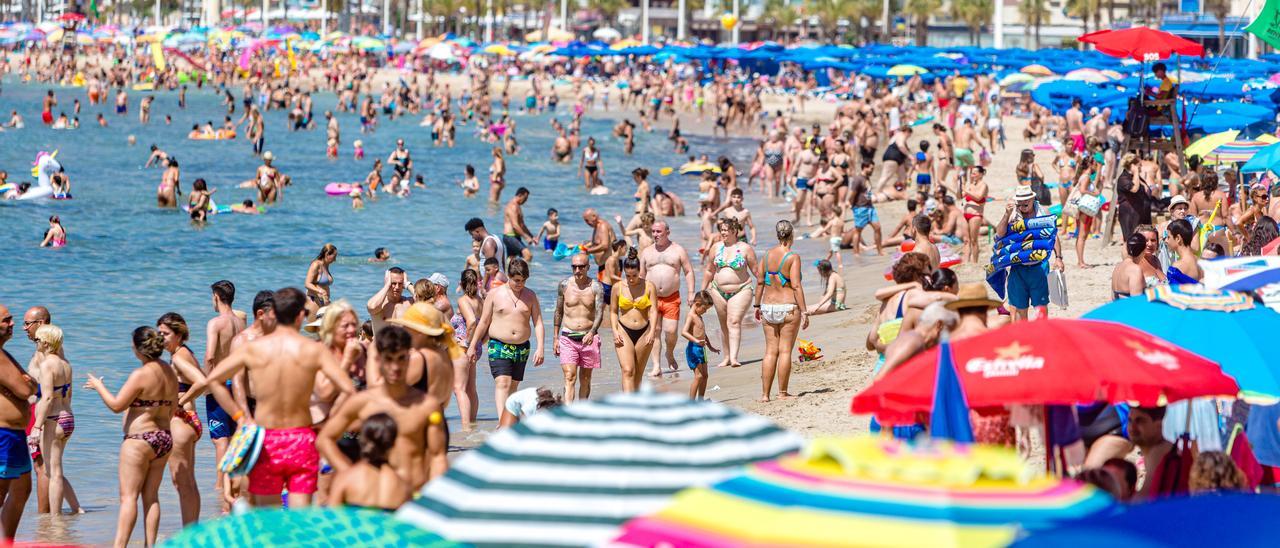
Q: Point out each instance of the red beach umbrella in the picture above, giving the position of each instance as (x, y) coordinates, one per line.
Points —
(1141, 43)
(71, 16)
(1052, 361)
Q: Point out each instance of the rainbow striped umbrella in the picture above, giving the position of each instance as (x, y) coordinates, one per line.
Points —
(1237, 151)
(872, 492)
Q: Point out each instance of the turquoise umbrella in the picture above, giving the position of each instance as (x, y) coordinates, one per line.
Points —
(1242, 342)
(308, 527)
(1267, 159)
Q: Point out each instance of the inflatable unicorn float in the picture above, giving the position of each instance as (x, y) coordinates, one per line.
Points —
(43, 168)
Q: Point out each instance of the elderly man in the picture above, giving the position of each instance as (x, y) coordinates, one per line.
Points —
(1028, 283)
(666, 263)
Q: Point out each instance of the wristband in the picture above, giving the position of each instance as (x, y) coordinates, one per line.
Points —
(239, 415)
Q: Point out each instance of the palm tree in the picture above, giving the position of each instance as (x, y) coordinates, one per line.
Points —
(1034, 14)
(829, 13)
(1220, 10)
(778, 16)
(609, 9)
(1084, 9)
(974, 13)
(921, 10)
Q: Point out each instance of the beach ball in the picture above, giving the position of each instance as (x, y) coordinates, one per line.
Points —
(728, 21)
(665, 171)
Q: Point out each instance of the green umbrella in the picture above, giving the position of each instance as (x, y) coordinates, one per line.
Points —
(307, 527)
(906, 70)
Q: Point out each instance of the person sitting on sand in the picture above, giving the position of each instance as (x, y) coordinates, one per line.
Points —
(833, 293)
(371, 482)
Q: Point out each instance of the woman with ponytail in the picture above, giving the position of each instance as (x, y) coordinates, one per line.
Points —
(371, 482)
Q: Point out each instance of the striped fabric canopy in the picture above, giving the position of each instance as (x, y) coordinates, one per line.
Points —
(870, 492)
(571, 476)
(1237, 151)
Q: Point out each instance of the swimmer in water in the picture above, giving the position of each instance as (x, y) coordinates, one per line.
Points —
(56, 235)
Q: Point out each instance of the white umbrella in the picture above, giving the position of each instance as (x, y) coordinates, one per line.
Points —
(441, 52)
(607, 34)
(571, 476)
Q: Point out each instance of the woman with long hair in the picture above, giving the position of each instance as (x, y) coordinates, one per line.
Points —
(780, 304)
(634, 319)
(318, 277)
(148, 399)
(371, 482)
(464, 371)
(53, 431)
(56, 235)
(728, 274)
(975, 202)
(185, 424)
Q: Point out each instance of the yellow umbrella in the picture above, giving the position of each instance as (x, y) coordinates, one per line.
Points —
(499, 49)
(626, 43)
(906, 70)
(1037, 70)
(428, 42)
(1203, 146)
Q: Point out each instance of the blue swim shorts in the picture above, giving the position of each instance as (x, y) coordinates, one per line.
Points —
(1028, 286)
(695, 355)
(863, 216)
(14, 458)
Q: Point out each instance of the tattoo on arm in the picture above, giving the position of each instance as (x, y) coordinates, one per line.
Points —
(560, 303)
(598, 291)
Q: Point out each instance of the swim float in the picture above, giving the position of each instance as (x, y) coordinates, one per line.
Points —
(219, 135)
(599, 191)
(243, 451)
(339, 189)
(698, 168)
(145, 86)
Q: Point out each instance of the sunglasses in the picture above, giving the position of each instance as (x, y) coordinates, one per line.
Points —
(580, 266)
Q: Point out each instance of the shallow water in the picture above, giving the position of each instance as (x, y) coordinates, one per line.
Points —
(128, 262)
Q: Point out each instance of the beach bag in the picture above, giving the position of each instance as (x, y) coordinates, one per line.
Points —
(1058, 288)
(1042, 191)
(1089, 204)
(242, 452)
(1137, 122)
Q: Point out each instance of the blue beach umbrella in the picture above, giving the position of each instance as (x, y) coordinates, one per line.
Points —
(950, 416)
(1267, 159)
(1237, 520)
(1241, 273)
(1242, 342)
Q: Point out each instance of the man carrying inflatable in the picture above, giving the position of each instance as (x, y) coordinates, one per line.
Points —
(1025, 253)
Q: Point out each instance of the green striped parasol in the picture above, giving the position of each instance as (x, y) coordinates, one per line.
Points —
(305, 528)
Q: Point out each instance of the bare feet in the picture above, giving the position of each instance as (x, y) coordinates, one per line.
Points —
(724, 363)
(784, 396)
(763, 399)
(655, 373)
(736, 364)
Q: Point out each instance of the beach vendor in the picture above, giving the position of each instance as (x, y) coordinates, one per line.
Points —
(1025, 236)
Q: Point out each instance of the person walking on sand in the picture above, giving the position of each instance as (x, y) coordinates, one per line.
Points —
(634, 321)
(580, 308)
(729, 275)
(780, 305)
(666, 264)
(695, 353)
(505, 318)
(289, 362)
(418, 453)
(1028, 284)
(147, 399)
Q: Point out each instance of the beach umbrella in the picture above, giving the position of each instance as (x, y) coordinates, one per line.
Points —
(1266, 159)
(1239, 520)
(1036, 70)
(906, 70)
(71, 17)
(307, 527)
(572, 475)
(608, 34)
(1238, 151)
(1241, 273)
(1240, 337)
(499, 49)
(1204, 145)
(871, 491)
(1090, 75)
(1052, 361)
(1141, 43)
(1016, 78)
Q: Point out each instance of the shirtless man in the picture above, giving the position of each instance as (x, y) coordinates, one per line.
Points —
(1075, 126)
(504, 319)
(388, 302)
(15, 463)
(806, 169)
(664, 263)
(967, 143)
(46, 108)
(419, 450)
(219, 333)
(514, 232)
(946, 153)
(579, 311)
(288, 361)
(735, 210)
(331, 129)
(601, 242)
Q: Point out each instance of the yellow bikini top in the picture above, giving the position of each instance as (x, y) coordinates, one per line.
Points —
(643, 303)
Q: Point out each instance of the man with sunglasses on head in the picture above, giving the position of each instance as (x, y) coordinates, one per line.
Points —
(579, 311)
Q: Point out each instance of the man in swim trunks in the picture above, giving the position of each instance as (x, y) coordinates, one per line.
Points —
(490, 245)
(579, 311)
(389, 302)
(1075, 126)
(46, 109)
(15, 463)
(600, 244)
(504, 320)
(220, 331)
(288, 361)
(664, 263)
(864, 210)
(418, 453)
(966, 141)
(514, 232)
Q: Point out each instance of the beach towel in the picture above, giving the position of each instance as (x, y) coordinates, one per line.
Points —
(1027, 242)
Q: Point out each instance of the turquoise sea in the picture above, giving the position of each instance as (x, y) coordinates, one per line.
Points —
(128, 262)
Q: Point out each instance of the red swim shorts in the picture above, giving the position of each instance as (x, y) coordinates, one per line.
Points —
(288, 459)
(669, 306)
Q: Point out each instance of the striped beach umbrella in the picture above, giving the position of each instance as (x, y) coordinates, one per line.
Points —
(1238, 151)
(307, 527)
(871, 491)
(572, 475)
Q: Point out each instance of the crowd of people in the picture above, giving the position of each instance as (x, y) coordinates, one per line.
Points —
(361, 421)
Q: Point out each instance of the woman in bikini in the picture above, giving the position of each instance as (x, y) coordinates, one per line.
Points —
(148, 398)
(833, 292)
(634, 319)
(1028, 171)
(185, 426)
(975, 201)
(589, 167)
(464, 371)
(641, 177)
(54, 404)
(774, 151)
(781, 309)
(56, 235)
(168, 191)
(729, 275)
(318, 277)
(1090, 191)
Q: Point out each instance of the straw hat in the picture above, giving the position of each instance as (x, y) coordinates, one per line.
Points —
(314, 325)
(972, 295)
(1178, 200)
(268, 156)
(1023, 193)
(423, 318)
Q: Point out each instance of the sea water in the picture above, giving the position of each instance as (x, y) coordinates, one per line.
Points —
(127, 262)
